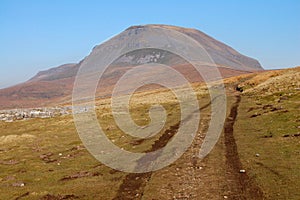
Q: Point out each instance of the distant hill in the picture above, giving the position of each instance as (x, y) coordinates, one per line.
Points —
(54, 86)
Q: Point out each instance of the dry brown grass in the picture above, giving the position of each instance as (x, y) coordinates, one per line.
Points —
(49, 158)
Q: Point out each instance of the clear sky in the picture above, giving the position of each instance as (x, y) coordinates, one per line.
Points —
(38, 35)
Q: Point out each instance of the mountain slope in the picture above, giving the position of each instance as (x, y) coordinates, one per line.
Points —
(221, 53)
(60, 72)
(55, 85)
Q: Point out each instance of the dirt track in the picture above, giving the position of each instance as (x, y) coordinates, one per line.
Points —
(238, 185)
(133, 184)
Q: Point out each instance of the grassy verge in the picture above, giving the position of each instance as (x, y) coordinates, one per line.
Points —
(44, 158)
(268, 144)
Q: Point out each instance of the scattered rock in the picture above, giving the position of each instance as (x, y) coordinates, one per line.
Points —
(18, 184)
(25, 114)
(242, 171)
(257, 155)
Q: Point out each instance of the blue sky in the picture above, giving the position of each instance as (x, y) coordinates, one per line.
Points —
(37, 35)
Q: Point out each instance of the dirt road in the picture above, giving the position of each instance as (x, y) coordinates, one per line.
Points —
(190, 178)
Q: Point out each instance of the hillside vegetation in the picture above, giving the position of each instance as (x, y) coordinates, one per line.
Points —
(45, 159)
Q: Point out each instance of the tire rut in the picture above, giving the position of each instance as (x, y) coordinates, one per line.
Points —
(133, 185)
(239, 184)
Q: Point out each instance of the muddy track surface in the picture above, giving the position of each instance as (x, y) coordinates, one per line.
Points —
(239, 184)
(134, 183)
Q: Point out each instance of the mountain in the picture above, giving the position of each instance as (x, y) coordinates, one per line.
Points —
(60, 72)
(54, 86)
